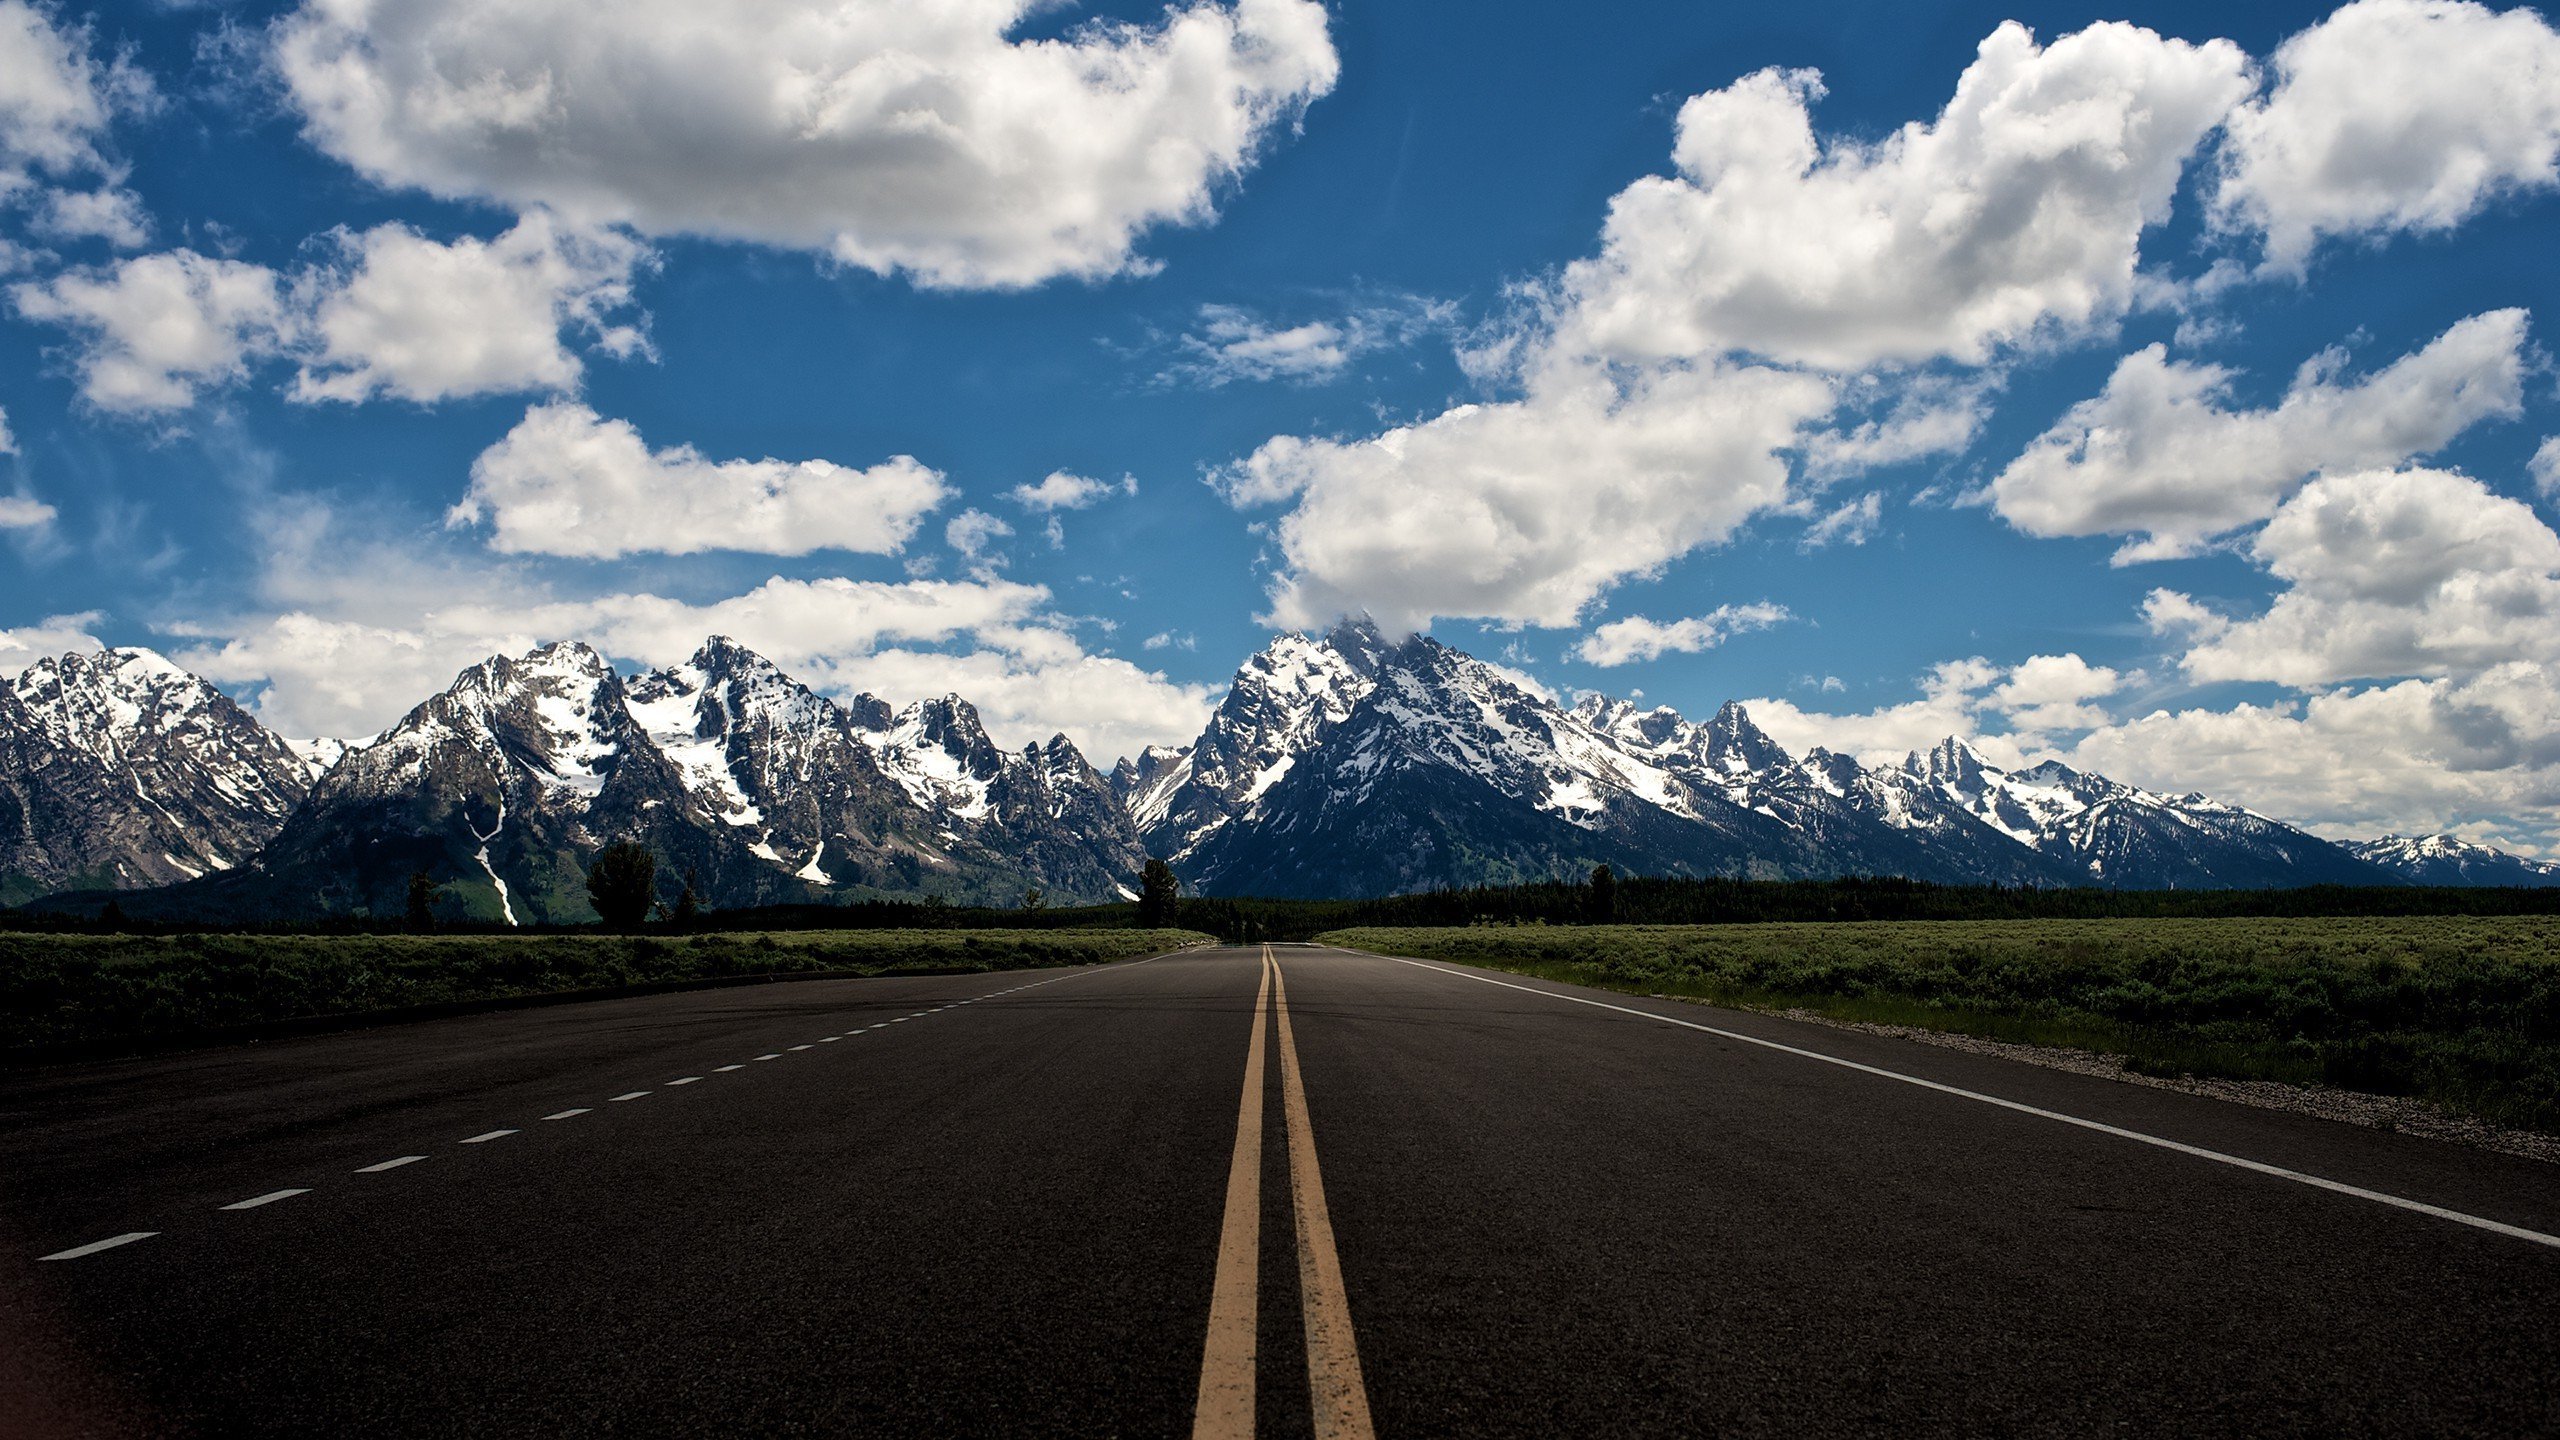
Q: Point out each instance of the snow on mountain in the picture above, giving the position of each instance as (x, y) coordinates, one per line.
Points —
(741, 780)
(938, 752)
(2115, 834)
(1349, 764)
(319, 754)
(2447, 860)
(1042, 810)
(1282, 703)
(119, 769)
(1146, 786)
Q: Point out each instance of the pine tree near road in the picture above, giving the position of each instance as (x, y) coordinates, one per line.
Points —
(622, 883)
(1157, 888)
(423, 894)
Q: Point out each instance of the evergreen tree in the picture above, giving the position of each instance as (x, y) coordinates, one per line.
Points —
(1604, 895)
(1032, 899)
(1157, 888)
(689, 904)
(621, 884)
(423, 894)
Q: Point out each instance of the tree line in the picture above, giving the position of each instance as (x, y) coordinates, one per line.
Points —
(628, 893)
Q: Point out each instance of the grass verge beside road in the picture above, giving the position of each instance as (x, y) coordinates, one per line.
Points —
(68, 990)
(2463, 1012)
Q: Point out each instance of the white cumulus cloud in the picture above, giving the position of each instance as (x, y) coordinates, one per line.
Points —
(154, 330)
(391, 313)
(1852, 523)
(1635, 638)
(1063, 490)
(58, 100)
(2019, 209)
(898, 137)
(2391, 116)
(2478, 756)
(400, 314)
(110, 214)
(1526, 510)
(2388, 574)
(53, 635)
(567, 481)
(1230, 343)
(2162, 454)
(2544, 467)
(1638, 436)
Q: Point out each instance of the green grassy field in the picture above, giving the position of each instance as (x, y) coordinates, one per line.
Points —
(74, 989)
(2464, 1012)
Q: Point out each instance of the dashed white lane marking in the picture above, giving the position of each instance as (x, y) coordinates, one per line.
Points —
(94, 1246)
(113, 1241)
(2181, 1147)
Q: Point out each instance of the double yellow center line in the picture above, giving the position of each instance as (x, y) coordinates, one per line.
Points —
(1227, 1365)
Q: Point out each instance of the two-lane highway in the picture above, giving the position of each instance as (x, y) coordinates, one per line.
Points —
(1012, 1204)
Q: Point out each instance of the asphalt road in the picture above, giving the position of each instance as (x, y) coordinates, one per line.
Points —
(999, 1205)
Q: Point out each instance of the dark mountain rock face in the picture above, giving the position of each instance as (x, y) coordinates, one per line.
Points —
(506, 786)
(1351, 764)
(120, 770)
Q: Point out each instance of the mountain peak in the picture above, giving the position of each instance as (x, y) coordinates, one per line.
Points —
(1951, 761)
(1736, 743)
(720, 654)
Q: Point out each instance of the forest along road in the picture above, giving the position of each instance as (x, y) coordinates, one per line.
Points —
(1288, 1191)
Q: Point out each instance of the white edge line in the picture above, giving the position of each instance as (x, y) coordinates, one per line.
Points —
(2338, 1187)
(389, 1165)
(271, 1197)
(94, 1246)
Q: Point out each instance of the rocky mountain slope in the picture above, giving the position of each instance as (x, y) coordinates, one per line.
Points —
(1349, 764)
(505, 787)
(120, 770)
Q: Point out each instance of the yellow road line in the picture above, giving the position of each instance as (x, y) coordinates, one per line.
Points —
(1225, 1406)
(1333, 1356)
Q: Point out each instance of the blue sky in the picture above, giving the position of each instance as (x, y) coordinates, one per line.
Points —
(2325, 592)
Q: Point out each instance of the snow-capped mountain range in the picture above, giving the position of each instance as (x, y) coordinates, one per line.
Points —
(1351, 763)
(1346, 763)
